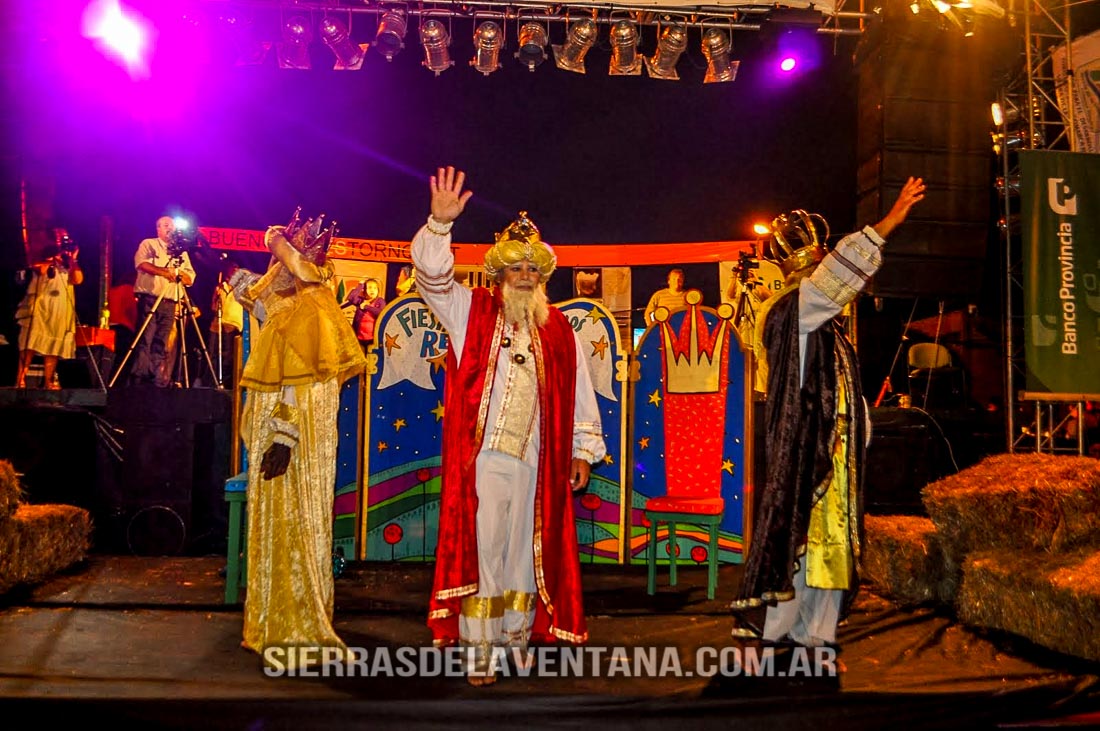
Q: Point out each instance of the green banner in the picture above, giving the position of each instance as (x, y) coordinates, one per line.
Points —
(1060, 200)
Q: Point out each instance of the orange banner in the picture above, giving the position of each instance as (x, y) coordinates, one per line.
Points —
(573, 255)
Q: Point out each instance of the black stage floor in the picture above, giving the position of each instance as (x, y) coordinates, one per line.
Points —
(147, 643)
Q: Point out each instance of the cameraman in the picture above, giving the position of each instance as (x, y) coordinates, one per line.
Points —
(47, 314)
(158, 273)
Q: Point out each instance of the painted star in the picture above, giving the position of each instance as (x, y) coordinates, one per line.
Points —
(399, 424)
(607, 459)
(643, 443)
(599, 347)
(727, 466)
(438, 410)
(391, 343)
(595, 315)
(382, 447)
(438, 361)
(655, 398)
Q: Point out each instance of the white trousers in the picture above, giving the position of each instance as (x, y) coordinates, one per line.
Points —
(809, 619)
(502, 610)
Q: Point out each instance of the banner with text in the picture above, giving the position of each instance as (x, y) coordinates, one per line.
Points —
(1060, 196)
(1082, 104)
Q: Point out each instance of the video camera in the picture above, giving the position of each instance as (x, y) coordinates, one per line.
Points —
(745, 265)
(68, 246)
(185, 238)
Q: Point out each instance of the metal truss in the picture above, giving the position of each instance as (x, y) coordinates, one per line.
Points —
(1032, 119)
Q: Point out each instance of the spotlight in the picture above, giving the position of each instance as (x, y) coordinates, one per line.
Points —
(488, 39)
(787, 64)
(435, 39)
(532, 44)
(579, 38)
(625, 60)
(998, 114)
(336, 36)
(673, 42)
(716, 49)
(294, 48)
(390, 37)
(761, 229)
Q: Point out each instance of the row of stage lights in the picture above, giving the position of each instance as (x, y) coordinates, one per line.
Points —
(489, 40)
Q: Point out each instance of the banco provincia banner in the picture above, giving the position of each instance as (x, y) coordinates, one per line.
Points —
(1060, 200)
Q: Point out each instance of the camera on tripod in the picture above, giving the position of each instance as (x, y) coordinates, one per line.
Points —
(186, 238)
(745, 265)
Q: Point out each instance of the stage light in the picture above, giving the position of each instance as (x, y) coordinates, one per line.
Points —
(390, 36)
(997, 112)
(181, 223)
(337, 37)
(293, 50)
(488, 40)
(761, 229)
(788, 64)
(914, 8)
(121, 33)
(580, 37)
(625, 59)
(532, 44)
(716, 49)
(435, 39)
(673, 42)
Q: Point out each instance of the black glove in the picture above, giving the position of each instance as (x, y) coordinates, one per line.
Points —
(276, 460)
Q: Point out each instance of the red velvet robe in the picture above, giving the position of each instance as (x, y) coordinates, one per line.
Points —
(559, 613)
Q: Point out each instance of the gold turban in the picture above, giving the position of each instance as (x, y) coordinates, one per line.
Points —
(520, 242)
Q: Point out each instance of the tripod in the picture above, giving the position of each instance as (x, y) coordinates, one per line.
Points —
(743, 311)
(184, 311)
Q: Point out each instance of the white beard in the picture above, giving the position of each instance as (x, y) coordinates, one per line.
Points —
(525, 306)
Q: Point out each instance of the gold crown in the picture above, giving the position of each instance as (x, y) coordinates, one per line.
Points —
(310, 238)
(693, 357)
(518, 242)
(796, 243)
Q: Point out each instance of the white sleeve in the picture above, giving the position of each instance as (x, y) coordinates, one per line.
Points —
(435, 282)
(588, 441)
(841, 276)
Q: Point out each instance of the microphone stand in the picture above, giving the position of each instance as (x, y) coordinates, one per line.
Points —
(886, 387)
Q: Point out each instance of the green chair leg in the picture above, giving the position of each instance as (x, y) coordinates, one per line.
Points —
(233, 554)
(712, 561)
(651, 557)
(672, 554)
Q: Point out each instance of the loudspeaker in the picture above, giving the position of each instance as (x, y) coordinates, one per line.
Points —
(924, 96)
(164, 495)
(80, 372)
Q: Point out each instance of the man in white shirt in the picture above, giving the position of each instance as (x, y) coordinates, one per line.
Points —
(521, 430)
(159, 275)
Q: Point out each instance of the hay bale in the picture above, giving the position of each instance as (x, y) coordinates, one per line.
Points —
(1054, 601)
(11, 490)
(40, 540)
(1025, 501)
(904, 560)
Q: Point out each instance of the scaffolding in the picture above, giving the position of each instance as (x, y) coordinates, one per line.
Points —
(1033, 119)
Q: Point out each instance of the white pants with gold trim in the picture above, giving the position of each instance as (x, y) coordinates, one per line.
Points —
(503, 609)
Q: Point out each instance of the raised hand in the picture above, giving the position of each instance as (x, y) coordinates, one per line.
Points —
(448, 199)
(911, 193)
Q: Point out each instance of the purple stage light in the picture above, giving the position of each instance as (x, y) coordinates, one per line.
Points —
(788, 64)
(119, 32)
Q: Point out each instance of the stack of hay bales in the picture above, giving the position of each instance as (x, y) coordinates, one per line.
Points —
(37, 540)
(1012, 543)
